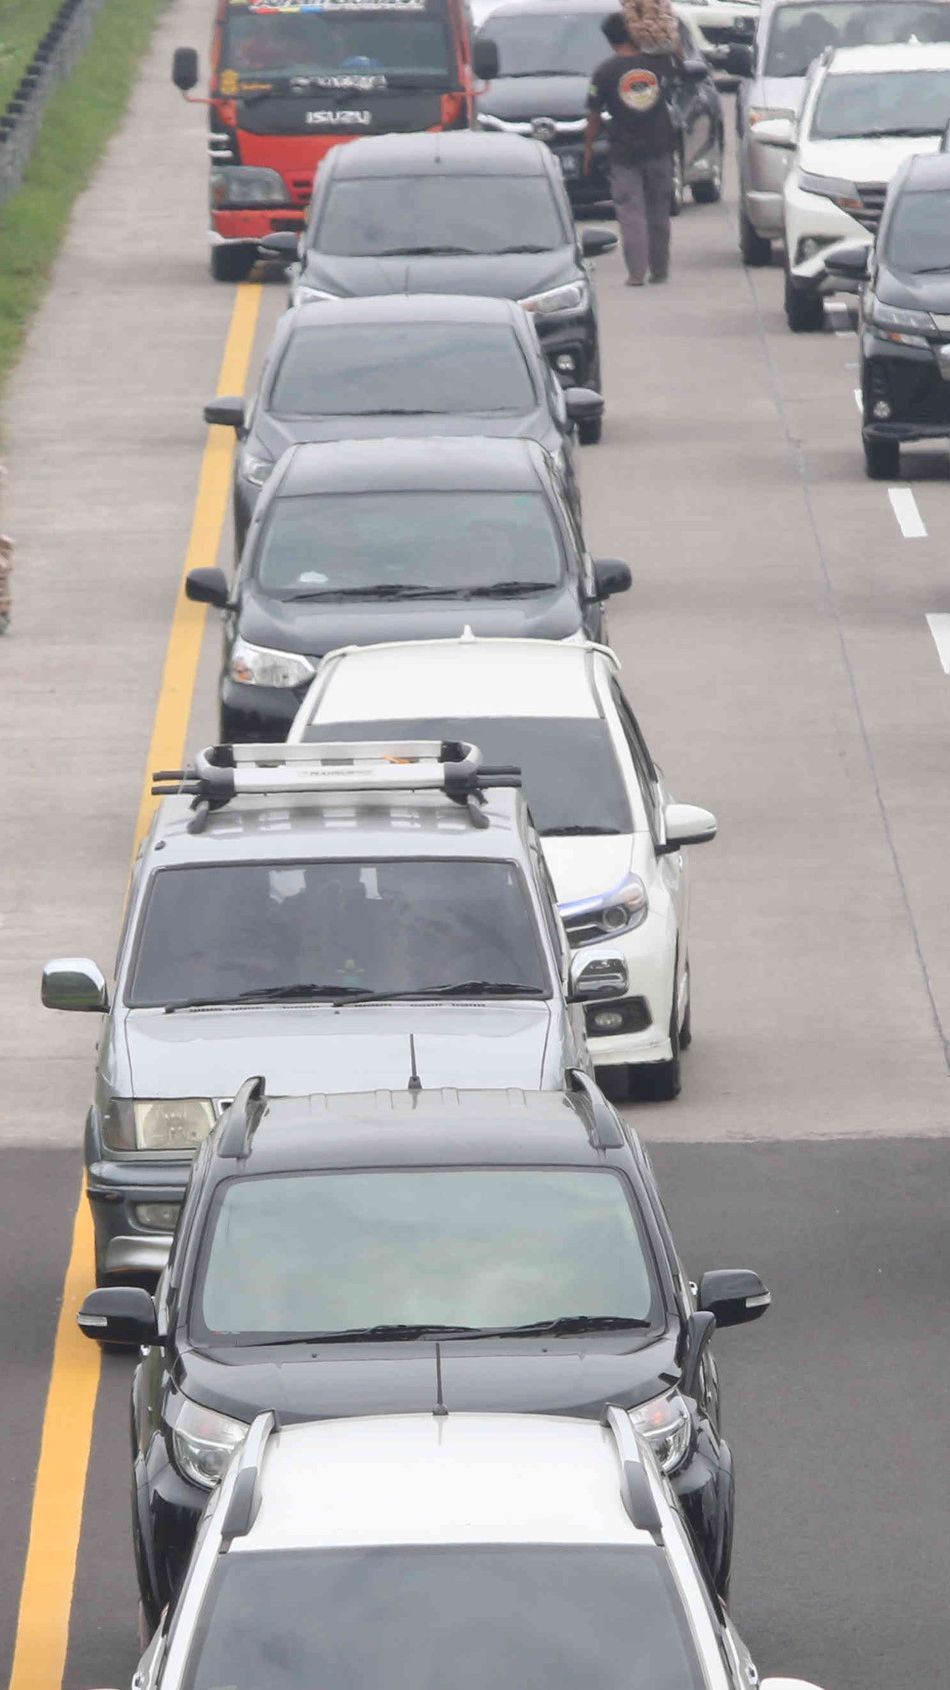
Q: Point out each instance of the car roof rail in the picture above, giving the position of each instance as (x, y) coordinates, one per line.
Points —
(244, 1502)
(636, 1491)
(603, 1128)
(241, 1121)
(221, 773)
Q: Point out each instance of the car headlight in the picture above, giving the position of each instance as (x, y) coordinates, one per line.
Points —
(245, 184)
(842, 194)
(571, 297)
(258, 666)
(304, 295)
(667, 1425)
(255, 469)
(203, 1442)
(891, 322)
(172, 1123)
(760, 114)
(619, 911)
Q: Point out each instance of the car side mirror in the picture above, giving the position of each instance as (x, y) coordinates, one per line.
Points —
(694, 70)
(740, 60)
(849, 260)
(74, 982)
(777, 132)
(119, 1314)
(485, 58)
(284, 244)
(227, 412)
(583, 404)
(185, 69)
(602, 977)
(595, 242)
(611, 576)
(208, 586)
(686, 824)
(734, 1295)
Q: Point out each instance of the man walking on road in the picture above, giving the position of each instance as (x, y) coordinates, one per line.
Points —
(631, 88)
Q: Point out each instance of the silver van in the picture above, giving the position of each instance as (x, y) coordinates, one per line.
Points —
(790, 36)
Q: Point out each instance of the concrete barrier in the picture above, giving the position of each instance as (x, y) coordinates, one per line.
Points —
(53, 62)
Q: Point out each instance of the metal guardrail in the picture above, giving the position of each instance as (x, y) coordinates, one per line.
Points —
(52, 63)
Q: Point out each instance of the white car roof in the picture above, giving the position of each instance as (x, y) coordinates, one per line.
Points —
(458, 1478)
(464, 677)
(900, 56)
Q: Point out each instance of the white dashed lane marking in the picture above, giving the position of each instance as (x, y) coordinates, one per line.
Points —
(940, 628)
(909, 519)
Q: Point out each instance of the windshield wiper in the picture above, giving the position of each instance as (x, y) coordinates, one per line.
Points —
(561, 1326)
(575, 830)
(365, 1335)
(931, 270)
(456, 989)
(882, 134)
(501, 251)
(381, 590)
(303, 991)
(565, 1324)
(509, 589)
(423, 252)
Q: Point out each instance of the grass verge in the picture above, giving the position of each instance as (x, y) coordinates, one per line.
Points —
(23, 23)
(77, 124)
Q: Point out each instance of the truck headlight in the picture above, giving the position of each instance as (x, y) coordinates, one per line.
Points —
(244, 185)
(258, 666)
(667, 1425)
(571, 297)
(172, 1123)
(203, 1442)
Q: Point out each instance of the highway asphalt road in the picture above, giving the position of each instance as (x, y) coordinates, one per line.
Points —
(777, 648)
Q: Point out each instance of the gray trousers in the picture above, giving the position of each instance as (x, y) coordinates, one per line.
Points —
(641, 196)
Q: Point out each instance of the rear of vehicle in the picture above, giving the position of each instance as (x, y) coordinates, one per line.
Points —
(290, 82)
(721, 25)
(792, 34)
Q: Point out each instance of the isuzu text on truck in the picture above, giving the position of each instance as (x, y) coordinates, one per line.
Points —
(291, 78)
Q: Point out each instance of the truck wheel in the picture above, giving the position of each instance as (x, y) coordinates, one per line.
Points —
(232, 263)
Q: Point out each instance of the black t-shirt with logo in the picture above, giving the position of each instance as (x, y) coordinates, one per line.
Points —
(632, 88)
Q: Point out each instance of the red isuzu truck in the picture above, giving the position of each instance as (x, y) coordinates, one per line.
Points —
(292, 78)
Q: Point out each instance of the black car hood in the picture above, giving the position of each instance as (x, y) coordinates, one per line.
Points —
(304, 1384)
(914, 293)
(512, 275)
(273, 436)
(519, 97)
(314, 629)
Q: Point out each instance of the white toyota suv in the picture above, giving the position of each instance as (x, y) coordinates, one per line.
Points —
(865, 110)
(459, 1550)
(612, 837)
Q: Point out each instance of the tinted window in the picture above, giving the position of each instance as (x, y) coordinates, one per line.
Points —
(468, 1247)
(398, 42)
(572, 779)
(918, 238)
(798, 34)
(886, 103)
(547, 45)
(461, 1617)
(401, 926)
(402, 369)
(417, 214)
(405, 545)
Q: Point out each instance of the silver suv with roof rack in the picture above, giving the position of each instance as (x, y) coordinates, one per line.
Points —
(302, 911)
(452, 1549)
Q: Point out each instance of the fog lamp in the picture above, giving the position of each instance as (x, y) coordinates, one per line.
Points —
(565, 361)
(157, 1217)
(882, 409)
(605, 1020)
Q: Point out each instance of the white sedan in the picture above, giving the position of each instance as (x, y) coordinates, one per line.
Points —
(613, 838)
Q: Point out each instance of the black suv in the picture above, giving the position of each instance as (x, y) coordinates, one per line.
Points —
(327, 1244)
(465, 213)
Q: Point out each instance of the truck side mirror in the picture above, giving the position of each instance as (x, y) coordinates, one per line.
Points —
(185, 69)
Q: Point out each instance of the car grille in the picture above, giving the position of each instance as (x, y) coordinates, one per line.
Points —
(872, 196)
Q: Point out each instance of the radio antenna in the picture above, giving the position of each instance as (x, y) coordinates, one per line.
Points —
(415, 1084)
(440, 1412)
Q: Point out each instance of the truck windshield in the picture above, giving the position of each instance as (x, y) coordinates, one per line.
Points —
(406, 39)
(799, 34)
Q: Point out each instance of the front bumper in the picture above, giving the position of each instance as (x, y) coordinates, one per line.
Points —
(909, 380)
(257, 714)
(813, 224)
(126, 1249)
(247, 228)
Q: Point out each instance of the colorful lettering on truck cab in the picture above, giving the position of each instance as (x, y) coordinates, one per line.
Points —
(292, 78)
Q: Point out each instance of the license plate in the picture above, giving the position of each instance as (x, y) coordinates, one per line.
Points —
(570, 164)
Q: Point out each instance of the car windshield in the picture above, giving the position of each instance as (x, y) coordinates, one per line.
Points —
(546, 45)
(445, 1617)
(798, 34)
(345, 1252)
(893, 102)
(228, 931)
(918, 238)
(572, 779)
(403, 369)
(367, 44)
(374, 217)
(401, 545)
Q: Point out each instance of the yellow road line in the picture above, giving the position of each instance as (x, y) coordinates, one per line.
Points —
(49, 1572)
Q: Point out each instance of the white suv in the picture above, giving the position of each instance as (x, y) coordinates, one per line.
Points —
(865, 110)
(612, 837)
(461, 1550)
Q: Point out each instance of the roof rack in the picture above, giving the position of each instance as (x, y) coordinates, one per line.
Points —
(603, 1128)
(241, 1120)
(636, 1492)
(245, 1500)
(221, 773)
